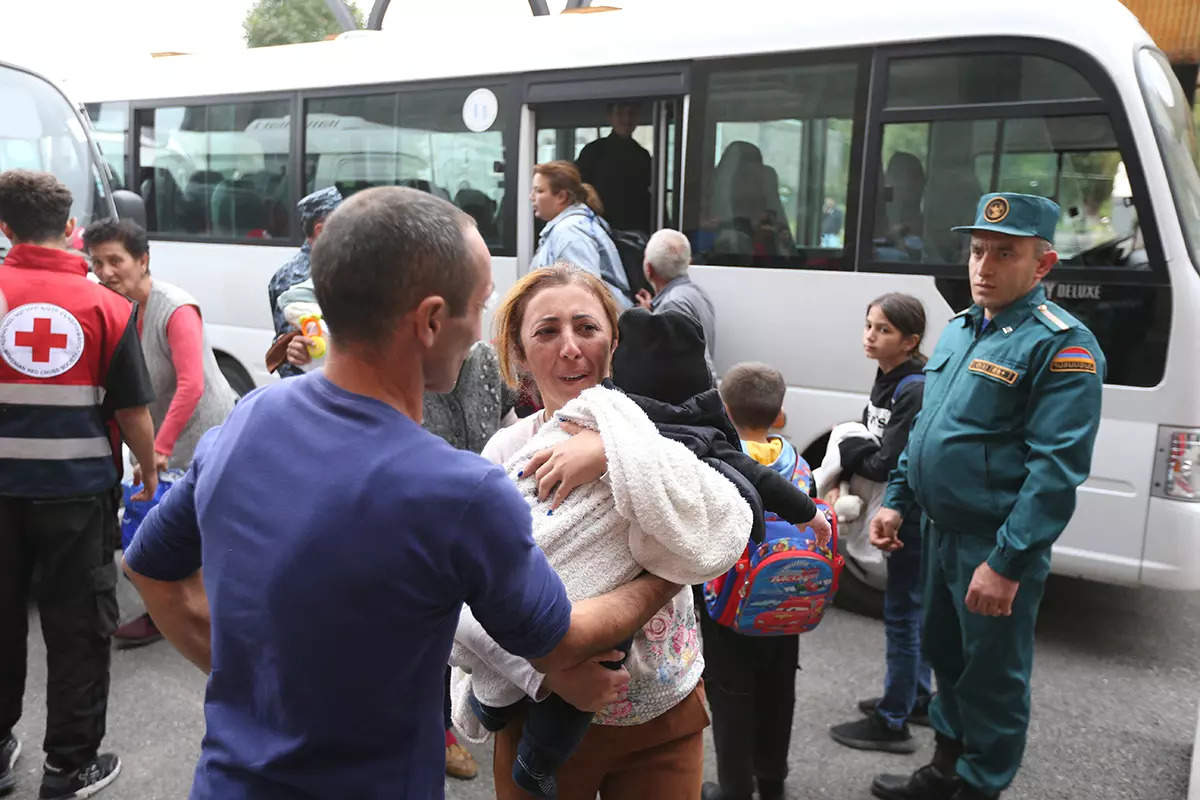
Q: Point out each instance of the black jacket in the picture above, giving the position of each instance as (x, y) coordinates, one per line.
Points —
(889, 416)
(702, 425)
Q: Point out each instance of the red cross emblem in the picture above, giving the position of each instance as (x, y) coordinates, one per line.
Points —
(40, 339)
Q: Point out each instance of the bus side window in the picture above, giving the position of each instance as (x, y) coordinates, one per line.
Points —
(416, 139)
(218, 170)
(774, 166)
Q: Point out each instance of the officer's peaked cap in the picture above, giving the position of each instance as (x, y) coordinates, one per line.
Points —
(1016, 215)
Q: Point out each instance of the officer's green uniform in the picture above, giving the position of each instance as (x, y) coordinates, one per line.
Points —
(1004, 437)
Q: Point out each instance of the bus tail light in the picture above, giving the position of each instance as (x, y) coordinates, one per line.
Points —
(1178, 469)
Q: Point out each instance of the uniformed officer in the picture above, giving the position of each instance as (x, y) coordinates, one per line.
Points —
(71, 376)
(1012, 404)
(314, 208)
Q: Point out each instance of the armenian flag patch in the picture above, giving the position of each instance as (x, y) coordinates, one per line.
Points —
(1073, 359)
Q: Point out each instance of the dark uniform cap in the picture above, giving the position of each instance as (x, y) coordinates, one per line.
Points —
(319, 204)
(1016, 215)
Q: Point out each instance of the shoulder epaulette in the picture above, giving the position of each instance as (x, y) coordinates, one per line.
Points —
(1053, 318)
(962, 313)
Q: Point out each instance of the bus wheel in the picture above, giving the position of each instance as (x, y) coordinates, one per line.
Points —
(855, 594)
(239, 380)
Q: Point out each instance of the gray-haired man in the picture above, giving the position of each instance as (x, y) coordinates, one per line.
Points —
(665, 264)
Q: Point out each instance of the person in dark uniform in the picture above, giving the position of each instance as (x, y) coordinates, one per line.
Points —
(314, 208)
(1005, 435)
(71, 377)
(619, 168)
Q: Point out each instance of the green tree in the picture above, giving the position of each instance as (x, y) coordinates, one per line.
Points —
(290, 21)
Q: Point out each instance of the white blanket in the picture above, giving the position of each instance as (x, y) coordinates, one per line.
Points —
(854, 535)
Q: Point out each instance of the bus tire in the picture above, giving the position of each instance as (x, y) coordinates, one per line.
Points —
(856, 595)
(239, 380)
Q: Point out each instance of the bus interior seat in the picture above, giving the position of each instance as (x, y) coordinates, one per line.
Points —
(237, 209)
(197, 196)
(951, 196)
(163, 199)
(899, 217)
(481, 208)
(746, 208)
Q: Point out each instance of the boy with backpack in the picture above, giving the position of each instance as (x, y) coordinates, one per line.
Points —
(751, 680)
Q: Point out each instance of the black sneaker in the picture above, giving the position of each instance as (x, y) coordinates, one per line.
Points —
(927, 783)
(93, 776)
(872, 733)
(919, 715)
(10, 748)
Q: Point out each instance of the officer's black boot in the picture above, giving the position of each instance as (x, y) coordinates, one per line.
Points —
(934, 781)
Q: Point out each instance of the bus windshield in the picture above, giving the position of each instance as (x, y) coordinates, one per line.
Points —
(1172, 119)
(39, 130)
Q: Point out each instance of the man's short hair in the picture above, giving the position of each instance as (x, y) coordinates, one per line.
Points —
(35, 205)
(753, 394)
(128, 233)
(381, 253)
(669, 252)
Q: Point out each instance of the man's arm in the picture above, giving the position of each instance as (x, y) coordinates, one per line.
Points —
(127, 395)
(899, 495)
(137, 429)
(1061, 422)
(598, 623)
(180, 610)
(164, 561)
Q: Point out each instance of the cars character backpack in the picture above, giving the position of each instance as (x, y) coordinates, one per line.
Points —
(782, 584)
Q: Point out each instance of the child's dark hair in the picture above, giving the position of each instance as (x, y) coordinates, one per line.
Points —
(907, 315)
(131, 235)
(35, 205)
(753, 394)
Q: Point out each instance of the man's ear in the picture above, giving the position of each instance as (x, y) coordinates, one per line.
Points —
(780, 419)
(317, 228)
(428, 318)
(1046, 263)
(7, 231)
(69, 229)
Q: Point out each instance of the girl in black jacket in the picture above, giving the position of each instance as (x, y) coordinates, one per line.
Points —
(892, 337)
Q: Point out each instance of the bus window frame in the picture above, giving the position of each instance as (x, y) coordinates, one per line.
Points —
(509, 93)
(295, 235)
(1107, 103)
(702, 126)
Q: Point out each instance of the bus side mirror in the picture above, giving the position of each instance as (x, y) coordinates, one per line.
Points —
(130, 206)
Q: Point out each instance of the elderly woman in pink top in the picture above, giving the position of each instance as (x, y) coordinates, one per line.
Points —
(191, 394)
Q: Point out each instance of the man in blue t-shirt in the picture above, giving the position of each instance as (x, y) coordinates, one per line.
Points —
(336, 556)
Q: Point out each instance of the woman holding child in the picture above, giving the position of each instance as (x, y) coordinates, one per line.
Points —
(892, 335)
(558, 325)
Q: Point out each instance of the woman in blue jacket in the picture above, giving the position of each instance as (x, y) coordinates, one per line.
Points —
(575, 231)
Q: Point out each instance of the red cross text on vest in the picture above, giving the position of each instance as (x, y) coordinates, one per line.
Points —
(40, 339)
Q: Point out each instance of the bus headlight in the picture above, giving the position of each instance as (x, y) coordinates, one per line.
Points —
(1177, 467)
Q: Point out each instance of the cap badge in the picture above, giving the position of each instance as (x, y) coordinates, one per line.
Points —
(995, 210)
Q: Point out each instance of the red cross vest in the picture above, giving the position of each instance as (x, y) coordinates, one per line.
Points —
(58, 340)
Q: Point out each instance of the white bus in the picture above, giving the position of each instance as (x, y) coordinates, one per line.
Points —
(41, 130)
(815, 159)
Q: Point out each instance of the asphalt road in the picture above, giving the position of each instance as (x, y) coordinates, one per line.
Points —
(1115, 692)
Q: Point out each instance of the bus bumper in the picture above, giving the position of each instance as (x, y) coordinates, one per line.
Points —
(1171, 558)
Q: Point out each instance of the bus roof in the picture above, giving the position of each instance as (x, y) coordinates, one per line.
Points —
(659, 32)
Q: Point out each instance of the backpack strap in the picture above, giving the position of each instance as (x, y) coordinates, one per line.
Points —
(916, 377)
